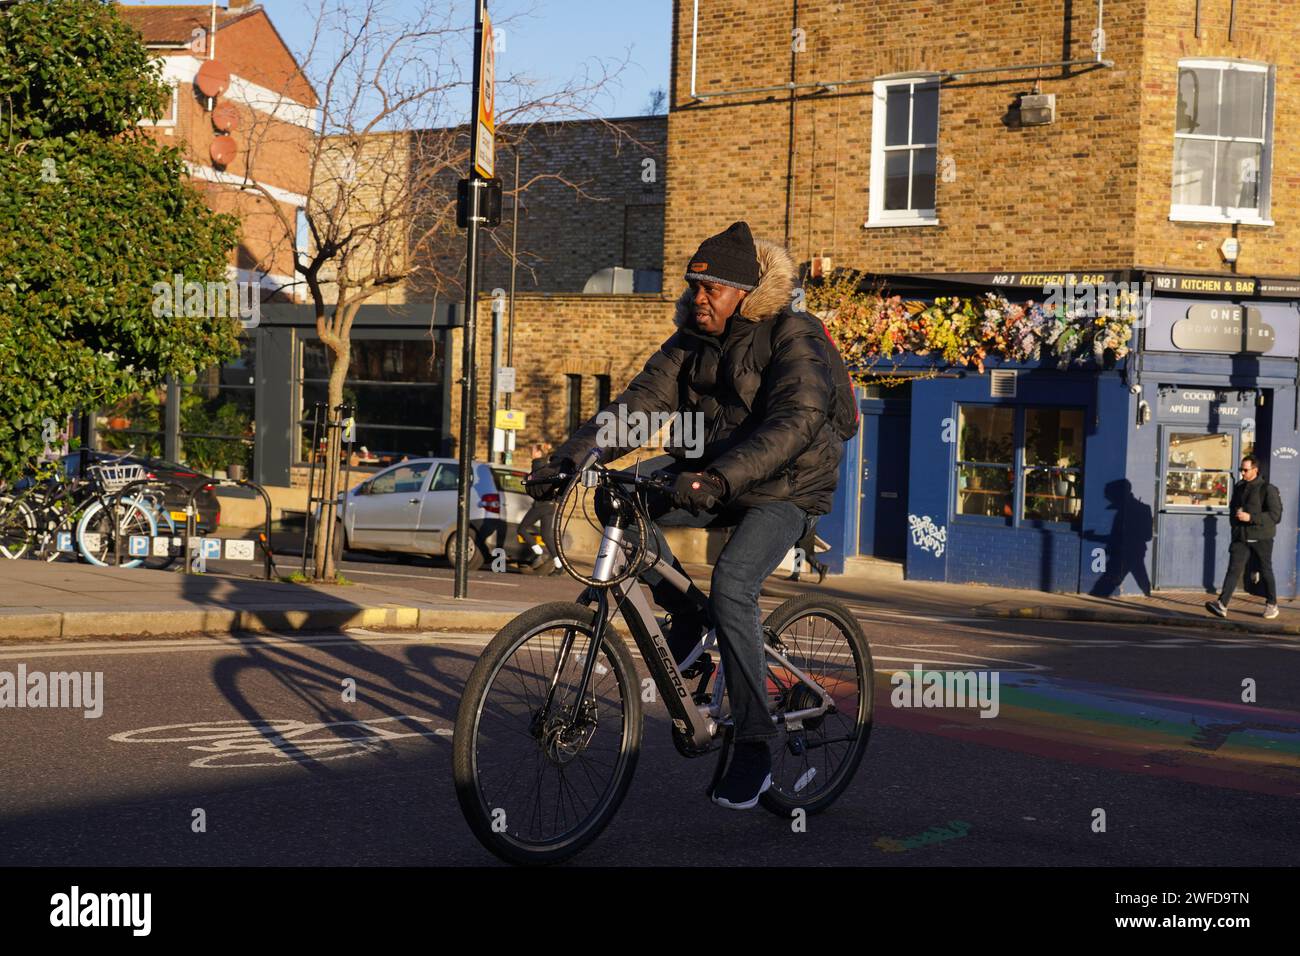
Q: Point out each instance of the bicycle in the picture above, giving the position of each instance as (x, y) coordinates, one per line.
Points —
(86, 510)
(539, 687)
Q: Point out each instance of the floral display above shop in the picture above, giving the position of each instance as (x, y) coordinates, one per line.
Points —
(872, 327)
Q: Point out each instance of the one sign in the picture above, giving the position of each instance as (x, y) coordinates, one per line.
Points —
(93, 540)
(138, 546)
(63, 541)
(1230, 248)
(510, 418)
(349, 430)
(506, 379)
(485, 147)
(212, 549)
(1224, 328)
(237, 550)
(162, 546)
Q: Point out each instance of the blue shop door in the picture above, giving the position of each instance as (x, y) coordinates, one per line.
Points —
(1197, 471)
(882, 531)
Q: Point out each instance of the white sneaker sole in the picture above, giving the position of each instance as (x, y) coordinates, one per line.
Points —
(748, 804)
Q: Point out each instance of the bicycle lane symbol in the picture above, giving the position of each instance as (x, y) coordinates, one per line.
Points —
(231, 744)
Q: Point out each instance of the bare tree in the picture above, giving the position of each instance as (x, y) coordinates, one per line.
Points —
(382, 169)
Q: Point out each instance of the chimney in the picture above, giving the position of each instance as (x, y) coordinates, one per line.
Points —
(239, 6)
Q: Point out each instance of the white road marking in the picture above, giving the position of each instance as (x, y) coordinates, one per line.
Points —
(236, 743)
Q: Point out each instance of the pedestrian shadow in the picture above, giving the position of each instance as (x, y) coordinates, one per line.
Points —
(1126, 544)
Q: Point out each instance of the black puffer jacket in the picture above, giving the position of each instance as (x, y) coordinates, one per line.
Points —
(765, 428)
(1261, 501)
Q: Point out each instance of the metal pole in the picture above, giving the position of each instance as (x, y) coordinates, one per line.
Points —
(465, 483)
(514, 248)
(493, 396)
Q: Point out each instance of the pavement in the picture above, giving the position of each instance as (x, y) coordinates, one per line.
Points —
(67, 600)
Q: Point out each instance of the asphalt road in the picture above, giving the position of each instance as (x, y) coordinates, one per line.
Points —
(1147, 725)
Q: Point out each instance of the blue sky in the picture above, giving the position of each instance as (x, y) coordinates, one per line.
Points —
(559, 40)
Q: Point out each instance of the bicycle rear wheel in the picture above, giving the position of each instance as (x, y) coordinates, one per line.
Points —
(537, 784)
(17, 527)
(812, 764)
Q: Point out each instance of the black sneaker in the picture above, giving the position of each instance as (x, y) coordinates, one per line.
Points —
(747, 778)
(1216, 608)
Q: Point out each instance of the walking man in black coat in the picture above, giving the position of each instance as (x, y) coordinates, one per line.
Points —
(1255, 509)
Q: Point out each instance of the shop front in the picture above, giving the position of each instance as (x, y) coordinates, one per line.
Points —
(1218, 379)
(1095, 480)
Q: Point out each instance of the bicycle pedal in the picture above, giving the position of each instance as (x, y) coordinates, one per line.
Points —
(704, 668)
(701, 665)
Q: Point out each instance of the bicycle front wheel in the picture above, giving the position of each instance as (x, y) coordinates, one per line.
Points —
(96, 532)
(537, 782)
(814, 762)
(17, 527)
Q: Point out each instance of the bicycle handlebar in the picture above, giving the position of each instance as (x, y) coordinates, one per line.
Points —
(644, 482)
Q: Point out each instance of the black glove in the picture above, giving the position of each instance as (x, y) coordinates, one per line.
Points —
(541, 484)
(698, 491)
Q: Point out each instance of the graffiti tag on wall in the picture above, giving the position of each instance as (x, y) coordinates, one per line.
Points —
(926, 535)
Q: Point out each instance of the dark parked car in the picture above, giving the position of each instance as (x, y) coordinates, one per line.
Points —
(206, 502)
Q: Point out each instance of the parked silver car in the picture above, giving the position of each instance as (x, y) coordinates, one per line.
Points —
(410, 508)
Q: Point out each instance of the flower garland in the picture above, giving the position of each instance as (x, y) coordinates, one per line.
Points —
(963, 331)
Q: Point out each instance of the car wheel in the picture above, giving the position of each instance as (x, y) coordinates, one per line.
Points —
(475, 557)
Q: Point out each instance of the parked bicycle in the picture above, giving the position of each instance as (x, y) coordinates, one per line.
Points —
(549, 726)
(87, 514)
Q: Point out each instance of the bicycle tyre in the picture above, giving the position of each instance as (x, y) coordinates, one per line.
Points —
(17, 527)
(480, 809)
(781, 799)
(97, 512)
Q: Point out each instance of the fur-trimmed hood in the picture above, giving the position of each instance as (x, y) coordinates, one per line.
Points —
(776, 278)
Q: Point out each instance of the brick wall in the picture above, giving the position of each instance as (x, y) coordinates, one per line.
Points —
(590, 201)
(557, 335)
(1266, 32)
(1090, 190)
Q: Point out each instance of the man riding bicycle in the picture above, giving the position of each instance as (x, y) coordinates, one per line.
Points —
(768, 465)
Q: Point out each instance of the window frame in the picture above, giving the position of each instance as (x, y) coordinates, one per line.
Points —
(167, 121)
(1235, 444)
(1261, 216)
(877, 215)
(1019, 468)
(573, 407)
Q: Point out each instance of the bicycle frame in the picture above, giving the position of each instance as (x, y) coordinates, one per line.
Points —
(697, 725)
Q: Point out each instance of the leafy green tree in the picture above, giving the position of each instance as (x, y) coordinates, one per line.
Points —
(93, 213)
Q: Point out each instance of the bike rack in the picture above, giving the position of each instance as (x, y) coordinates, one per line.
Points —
(117, 508)
(263, 539)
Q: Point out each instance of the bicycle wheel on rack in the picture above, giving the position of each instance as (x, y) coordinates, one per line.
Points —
(536, 787)
(17, 527)
(812, 765)
(96, 532)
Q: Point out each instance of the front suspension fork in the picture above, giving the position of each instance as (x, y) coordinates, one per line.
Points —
(601, 596)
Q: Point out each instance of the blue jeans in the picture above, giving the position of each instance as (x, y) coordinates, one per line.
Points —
(762, 537)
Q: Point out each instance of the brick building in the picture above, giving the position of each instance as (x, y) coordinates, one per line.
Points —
(587, 307)
(1015, 146)
(245, 148)
(272, 120)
